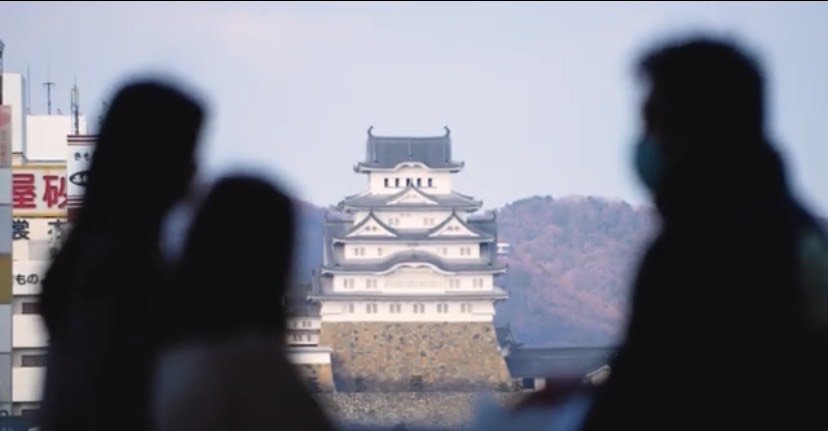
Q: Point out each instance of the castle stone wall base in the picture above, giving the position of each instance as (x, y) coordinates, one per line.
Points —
(432, 410)
(318, 377)
(415, 357)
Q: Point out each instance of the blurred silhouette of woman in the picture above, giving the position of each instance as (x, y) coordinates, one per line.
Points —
(224, 366)
(99, 294)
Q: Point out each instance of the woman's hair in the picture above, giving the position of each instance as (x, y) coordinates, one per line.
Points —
(236, 263)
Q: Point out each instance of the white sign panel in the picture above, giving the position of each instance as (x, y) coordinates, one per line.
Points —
(79, 157)
(39, 191)
(27, 276)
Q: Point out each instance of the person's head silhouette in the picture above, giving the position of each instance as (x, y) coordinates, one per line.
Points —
(145, 155)
(241, 245)
(705, 98)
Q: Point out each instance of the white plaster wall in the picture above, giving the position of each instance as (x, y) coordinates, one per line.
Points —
(27, 384)
(46, 136)
(28, 331)
(404, 311)
(301, 356)
(304, 323)
(419, 220)
(302, 338)
(414, 280)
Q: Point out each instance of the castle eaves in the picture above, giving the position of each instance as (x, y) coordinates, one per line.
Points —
(415, 258)
(378, 202)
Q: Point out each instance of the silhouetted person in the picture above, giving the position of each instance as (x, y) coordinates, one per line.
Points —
(719, 336)
(100, 293)
(225, 366)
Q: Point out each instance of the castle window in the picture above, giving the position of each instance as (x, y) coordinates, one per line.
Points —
(397, 182)
(430, 182)
(477, 282)
(350, 308)
(379, 251)
(445, 251)
(371, 308)
(348, 283)
(371, 283)
(419, 182)
(442, 308)
(386, 182)
(394, 308)
(465, 308)
(419, 308)
(408, 182)
(454, 283)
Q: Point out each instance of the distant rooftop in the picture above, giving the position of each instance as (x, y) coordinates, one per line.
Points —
(386, 152)
(557, 362)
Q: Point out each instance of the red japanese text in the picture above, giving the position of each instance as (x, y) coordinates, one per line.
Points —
(23, 191)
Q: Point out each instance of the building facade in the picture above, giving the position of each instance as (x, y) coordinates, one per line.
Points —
(38, 184)
(406, 291)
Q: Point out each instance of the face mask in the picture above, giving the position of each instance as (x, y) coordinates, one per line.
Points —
(649, 162)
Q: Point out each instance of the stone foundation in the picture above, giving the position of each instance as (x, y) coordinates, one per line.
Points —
(432, 410)
(415, 357)
(318, 377)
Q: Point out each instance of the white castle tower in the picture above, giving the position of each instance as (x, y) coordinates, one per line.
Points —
(406, 291)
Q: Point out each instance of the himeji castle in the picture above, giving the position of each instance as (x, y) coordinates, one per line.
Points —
(406, 291)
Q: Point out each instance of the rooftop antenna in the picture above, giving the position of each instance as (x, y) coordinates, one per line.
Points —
(49, 85)
(2, 46)
(75, 104)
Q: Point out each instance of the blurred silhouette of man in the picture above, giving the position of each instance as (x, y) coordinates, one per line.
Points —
(719, 336)
(101, 293)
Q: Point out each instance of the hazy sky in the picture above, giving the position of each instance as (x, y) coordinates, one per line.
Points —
(540, 97)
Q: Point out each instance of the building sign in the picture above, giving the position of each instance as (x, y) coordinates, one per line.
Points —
(27, 276)
(39, 191)
(79, 157)
(5, 136)
(37, 238)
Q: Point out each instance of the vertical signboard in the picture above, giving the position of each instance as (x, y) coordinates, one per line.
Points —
(5, 257)
(79, 158)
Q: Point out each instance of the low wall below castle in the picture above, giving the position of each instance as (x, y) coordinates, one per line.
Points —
(415, 357)
(431, 410)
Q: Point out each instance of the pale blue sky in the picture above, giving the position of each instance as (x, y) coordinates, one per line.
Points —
(540, 97)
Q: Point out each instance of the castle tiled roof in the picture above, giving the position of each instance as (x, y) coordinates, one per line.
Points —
(483, 230)
(386, 152)
(379, 202)
(557, 362)
(415, 257)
